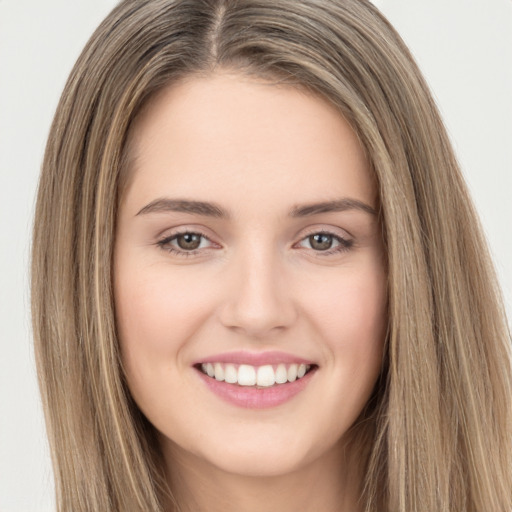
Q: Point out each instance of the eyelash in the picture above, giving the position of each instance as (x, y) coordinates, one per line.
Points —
(164, 244)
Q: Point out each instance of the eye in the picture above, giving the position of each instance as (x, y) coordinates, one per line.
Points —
(184, 244)
(326, 243)
(188, 241)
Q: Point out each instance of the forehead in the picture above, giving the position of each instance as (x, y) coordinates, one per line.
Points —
(231, 133)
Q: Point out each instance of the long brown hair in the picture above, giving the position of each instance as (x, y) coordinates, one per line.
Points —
(438, 431)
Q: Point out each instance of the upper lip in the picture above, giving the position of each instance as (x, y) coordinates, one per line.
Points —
(255, 358)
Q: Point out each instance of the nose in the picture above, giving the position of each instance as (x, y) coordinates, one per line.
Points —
(259, 301)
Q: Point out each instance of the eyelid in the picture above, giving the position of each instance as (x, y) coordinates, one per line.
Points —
(330, 230)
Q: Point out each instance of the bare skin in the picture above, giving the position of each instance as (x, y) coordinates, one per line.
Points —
(258, 269)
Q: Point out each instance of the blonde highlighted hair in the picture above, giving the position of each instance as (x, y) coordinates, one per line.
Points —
(437, 431)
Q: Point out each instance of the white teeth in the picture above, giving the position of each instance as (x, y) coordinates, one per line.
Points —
(246, 375)
(219, 371)
(265, 376)
(281, 374)
(230, 374)
(261, 376)
(292, 373)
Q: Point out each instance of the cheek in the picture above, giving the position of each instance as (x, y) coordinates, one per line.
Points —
(352, 309)
(156, 314)
(351, 318)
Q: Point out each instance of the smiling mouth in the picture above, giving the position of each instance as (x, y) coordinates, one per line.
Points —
(264, 376)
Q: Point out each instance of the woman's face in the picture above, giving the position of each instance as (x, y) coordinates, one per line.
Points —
(248, 248)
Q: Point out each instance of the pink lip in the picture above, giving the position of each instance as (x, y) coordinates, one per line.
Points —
(254, 358)
(256, 398)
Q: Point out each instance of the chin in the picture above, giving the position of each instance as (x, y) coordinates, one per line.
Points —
(262, 454)
(259, 464)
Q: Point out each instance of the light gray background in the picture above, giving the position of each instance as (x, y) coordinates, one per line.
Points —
(464, 48)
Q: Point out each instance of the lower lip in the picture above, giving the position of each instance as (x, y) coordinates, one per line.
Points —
(256, 398)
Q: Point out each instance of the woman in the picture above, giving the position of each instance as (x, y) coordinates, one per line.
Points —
(258, 279)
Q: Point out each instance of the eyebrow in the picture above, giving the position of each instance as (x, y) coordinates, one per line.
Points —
(208, 209)
(339, 205)
(184, 206)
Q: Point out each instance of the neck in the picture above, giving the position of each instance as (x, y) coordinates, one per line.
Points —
(329, 484)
